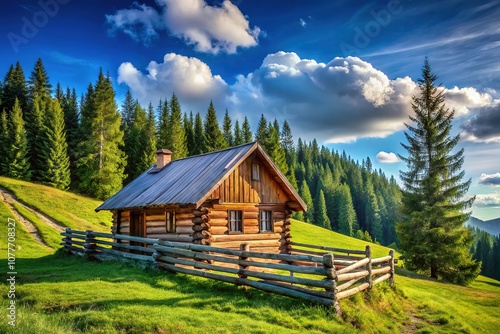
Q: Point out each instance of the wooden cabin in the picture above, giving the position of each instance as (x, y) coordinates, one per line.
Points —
(223, 199)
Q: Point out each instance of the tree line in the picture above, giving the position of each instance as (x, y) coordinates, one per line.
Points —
(486, 249)
(90, 145)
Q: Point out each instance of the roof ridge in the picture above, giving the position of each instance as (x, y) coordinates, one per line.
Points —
(208, 153)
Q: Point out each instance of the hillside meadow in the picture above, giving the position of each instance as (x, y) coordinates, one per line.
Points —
(58, 293)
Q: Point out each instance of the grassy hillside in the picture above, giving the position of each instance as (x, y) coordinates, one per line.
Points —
(64, 294)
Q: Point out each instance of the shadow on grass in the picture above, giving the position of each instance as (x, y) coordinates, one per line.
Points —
(495, 284)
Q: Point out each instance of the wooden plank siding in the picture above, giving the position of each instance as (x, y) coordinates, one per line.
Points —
(240, 188)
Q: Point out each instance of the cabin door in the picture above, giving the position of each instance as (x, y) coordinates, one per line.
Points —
(137, 226)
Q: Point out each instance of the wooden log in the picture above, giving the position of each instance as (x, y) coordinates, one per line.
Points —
(279, 215)
(340, 250)
(125, 246)
(184, 222)
(241, 207)
(246, 237)
(251, 222)
(184, 230)
(251, 229)
(125, 254)
(382, 270)
(156, 223)
(184, 216)
(382, 278)
(369, 277)
(242, 268)
(124, 230)
(201, 227)
(391, 264)
(76, 232)
(155, 217)
(218, 222)
(173, 237)
(156, 230)
(124, 222)
(347, 285)
(251, 215)
(202, 235)
(200, 211)
(254, 284)
(253, 243)
(203, 242)
(347, 293)
(199, 220)
(125, 237)
(350, 276)
(381, 259)
(73, 236)
(281, 257)
(353, 266)
(218, 230)
(216, 214)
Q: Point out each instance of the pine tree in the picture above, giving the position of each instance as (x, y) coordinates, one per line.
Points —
(176, 133)
(138, 144)
(262, 134)
(35, 133)
(102, 162)
(287, 143)
(246, 131)
(55, 148)
(214, 139)
(163, 130)
(149, 137)
(305, 194)
(432, 236)
(4, 143)
(199, 136)
(128, 109)
(238, 135)
(227, 129)
(275, 150)
(38, 83)
(320, 216)
(189, 130)
(18, 166)
(346, 214)
(14, 87)
(70, 109)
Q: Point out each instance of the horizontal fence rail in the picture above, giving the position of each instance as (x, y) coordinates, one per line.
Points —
(318, 274)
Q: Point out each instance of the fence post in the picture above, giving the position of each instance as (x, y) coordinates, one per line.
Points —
(369, 278)
(391, 263)
(67, 240)
(89, 243)
(244, 248)
(331, 276)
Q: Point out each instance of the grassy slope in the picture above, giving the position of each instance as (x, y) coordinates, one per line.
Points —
(61, 294)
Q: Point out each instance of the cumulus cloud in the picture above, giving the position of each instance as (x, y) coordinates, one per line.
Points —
(488, 200)
(210, 29)
(490, 179)
(190, 79)
(462, 100)
(387, 158)
(340, 101)
(140, 22)
(483, 125)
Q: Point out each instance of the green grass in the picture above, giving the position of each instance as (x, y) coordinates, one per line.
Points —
(64, 294)
(67, 208)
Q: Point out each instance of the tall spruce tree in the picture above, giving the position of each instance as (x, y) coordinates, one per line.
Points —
(14, 87)
(70, 109)
(176, 134)
(4, 142)
(102, 161)
(18, 166)
(227, 129)
(262, 133)
(433, 238)
(189, 130)
(246, 131)
(54, 152)
(199, 136)
(275, 150)
(163, 123)
(237, 135)
(320, 216)
(38, 83)
(346, 213)
(214, 139)
(305, 194)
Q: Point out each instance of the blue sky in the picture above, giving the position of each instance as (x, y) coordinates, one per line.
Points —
(339, 71)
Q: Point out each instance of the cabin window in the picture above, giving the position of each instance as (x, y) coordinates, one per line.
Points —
(235, 218)
(255, 172)
(265, 221)
(170, 221)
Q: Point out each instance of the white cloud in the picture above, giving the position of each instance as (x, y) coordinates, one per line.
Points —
(340, 101)
(189, 78)
(302, 22)
(490, 179)
(140, 22)
(488, 200)
(462, 100)
(387, 158)
(211, 29)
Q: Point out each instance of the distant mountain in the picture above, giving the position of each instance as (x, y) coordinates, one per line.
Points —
(491, 226)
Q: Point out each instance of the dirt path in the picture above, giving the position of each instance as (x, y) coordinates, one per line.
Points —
(8, 198)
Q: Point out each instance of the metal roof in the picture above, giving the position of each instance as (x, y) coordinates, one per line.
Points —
(188, 181)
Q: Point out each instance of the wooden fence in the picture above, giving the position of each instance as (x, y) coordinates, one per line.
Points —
(318, 274)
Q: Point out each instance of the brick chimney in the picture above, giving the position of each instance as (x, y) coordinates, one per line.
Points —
(163, 157)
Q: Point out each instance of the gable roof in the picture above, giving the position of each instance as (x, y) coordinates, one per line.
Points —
(192, 180)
